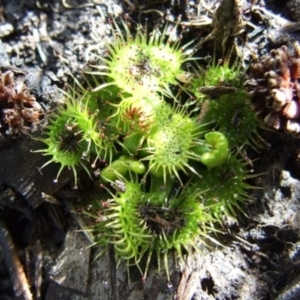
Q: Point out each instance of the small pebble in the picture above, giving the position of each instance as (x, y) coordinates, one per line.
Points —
(6, 29)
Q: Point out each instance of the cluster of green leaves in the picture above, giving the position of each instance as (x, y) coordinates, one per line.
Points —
(171, 156)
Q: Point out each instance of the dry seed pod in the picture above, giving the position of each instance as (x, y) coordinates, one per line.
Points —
(271, 74)
(297, 49)
(291, 111)
(292, 127)
(258, 68)
(282, 54)
(274, 87)
(273, 82)
(281, 97)
(272, 120)
(20, 113)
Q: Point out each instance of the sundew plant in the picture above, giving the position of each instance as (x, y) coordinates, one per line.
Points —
(167, 143)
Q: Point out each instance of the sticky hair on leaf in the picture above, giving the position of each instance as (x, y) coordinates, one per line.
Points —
(144, 63)
(225, 187)
(219, 88)
(169, 173)
(169, 148)
(141, 224)
(71, 135)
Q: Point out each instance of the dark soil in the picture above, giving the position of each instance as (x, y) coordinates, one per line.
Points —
(47, 44)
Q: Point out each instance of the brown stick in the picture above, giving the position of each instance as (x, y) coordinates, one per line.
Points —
(17, 274)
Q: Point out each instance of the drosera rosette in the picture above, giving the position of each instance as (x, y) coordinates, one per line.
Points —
(120, 223)
(142, 224)
(215, 79)
(143, 63)
(142, 114)
(139, 117)
(179, 140)
(72, 136)
(102, 105)
(224, 189)
(223, 99)
(234, 116)
(179, 223)
(169, 148)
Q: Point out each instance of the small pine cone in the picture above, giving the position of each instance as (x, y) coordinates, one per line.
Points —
(274, 87)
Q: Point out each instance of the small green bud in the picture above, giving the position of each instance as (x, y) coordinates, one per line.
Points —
(219, 153)
(120, 167)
